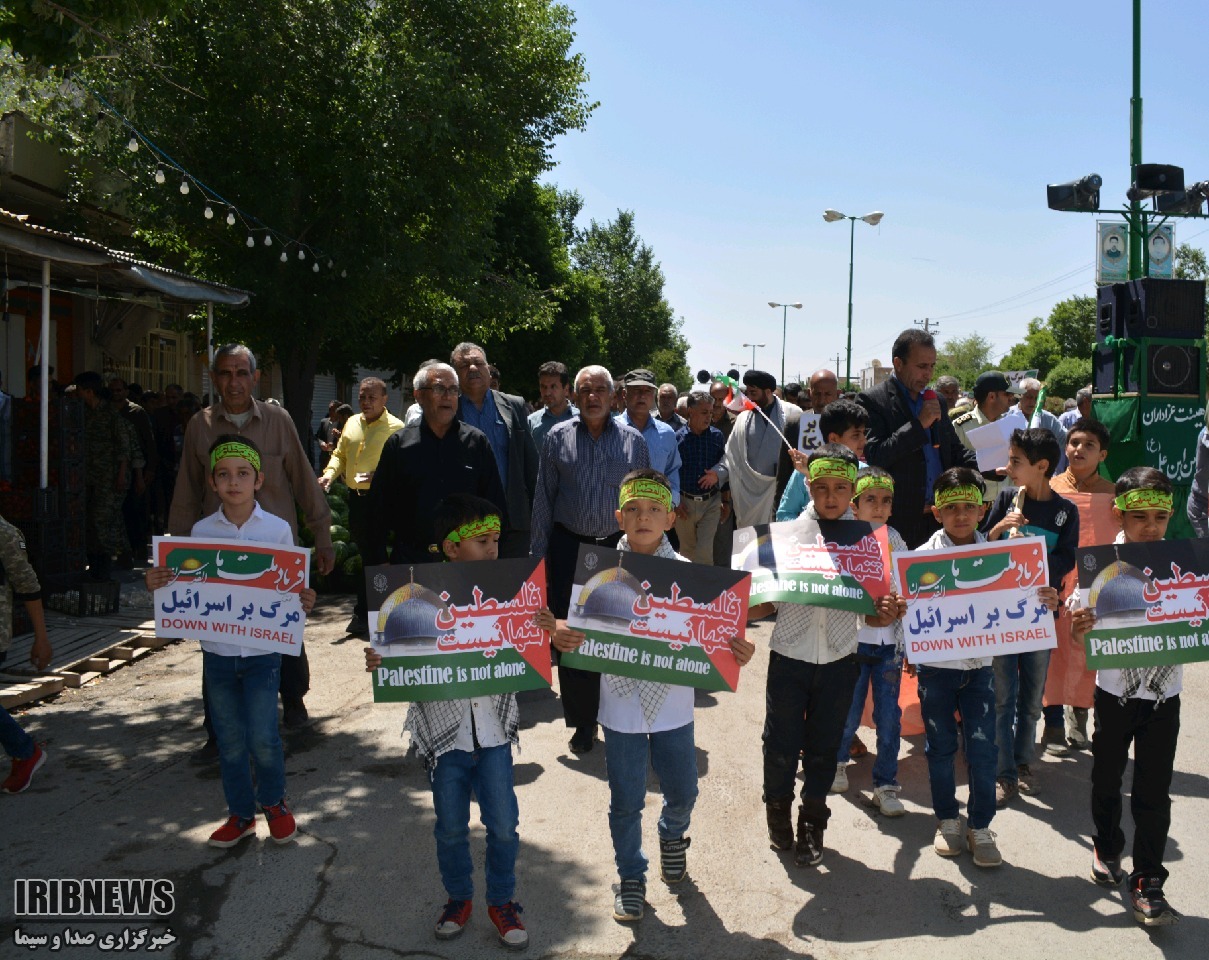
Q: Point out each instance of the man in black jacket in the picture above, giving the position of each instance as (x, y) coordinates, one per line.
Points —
(910, 435)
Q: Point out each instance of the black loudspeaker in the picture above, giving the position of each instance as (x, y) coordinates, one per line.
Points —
(1170, 309)
(1171, 370)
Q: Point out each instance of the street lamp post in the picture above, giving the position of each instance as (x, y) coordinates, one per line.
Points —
(784, 314)
(753, 352)
(873, 219)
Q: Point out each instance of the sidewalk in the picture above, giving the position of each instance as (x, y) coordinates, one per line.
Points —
(119, 798)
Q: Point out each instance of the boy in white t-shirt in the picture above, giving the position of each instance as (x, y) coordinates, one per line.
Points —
(645, 720)
(1139, 705)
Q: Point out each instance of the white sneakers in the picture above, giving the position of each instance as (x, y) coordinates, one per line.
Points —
(947, 841)
(886, 800)
(840, 783)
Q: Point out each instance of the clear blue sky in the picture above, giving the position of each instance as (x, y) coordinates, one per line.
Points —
(729, 127)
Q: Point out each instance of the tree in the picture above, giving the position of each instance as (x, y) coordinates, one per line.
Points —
(1190, 263)
(1069, 331)
(390, 155)
(635, 319)
(964, 358)
(1069, 375)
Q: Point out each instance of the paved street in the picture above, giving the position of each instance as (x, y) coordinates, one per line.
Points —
(119, 798)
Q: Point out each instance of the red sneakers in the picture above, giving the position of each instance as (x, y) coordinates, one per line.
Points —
(506, 918)
(281, 822)
(234, 830)
(22, 773)
(454, 917)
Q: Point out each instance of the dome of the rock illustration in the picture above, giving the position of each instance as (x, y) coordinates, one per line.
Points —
(408, 617)
(610, 594)
(1119, 590)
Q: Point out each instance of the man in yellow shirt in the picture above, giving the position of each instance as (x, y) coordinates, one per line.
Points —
(355, 459)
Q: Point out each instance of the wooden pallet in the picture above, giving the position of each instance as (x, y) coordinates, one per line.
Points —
(84, 648)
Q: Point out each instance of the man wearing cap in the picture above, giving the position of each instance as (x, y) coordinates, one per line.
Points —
(757, 463)
(669, 398)
(991, 401)
(660, 438)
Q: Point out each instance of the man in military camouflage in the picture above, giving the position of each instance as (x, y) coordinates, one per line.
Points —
(142, 472)
(18, 581)
(106, 464)
(991, 401)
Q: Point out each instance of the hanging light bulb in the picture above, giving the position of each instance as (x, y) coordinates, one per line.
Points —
(159, 175)
(209, 212)
(301, 254)
(329, 264)
(284, 258)
(268, 240)
(133, 145)
(251, 242)
(184, 188)
(344, 273)
(315, 268)
(230, 216)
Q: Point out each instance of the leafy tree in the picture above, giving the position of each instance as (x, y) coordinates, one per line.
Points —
(391, 153)
(1068, 376)
(635, 319)
(964, 358)
(1190, 263)
(1069, 331)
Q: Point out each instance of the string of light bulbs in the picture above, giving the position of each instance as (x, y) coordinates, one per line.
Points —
(251, 224)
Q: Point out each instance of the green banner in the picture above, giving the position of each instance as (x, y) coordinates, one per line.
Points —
(1117, 648)
(453, 676)
(628, 656)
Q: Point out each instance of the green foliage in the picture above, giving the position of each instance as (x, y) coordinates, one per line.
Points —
(1069, 331)
(1190, 263)
(65, 32)
(1069, 375)
(964, 358)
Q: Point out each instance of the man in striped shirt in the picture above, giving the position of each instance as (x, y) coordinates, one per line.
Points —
(579, 475)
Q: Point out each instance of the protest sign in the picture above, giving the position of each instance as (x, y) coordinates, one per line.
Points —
(826, 563)
(991, 441)
(453, 630)
(232, 591)
(975, 601)
(657, 619)
(1151, 602)
(810, 438)
(1015, 376)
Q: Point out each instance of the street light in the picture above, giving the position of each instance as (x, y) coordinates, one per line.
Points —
(753, 352)
(873, 219)
(784, 313)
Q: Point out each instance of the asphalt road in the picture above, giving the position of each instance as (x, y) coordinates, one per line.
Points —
(119, 798)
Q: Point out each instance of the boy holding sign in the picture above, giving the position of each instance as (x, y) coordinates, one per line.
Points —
(812, 672)
(968, 686)
(466, 745)
(643, 719)
(1138, 705)
(242, 682)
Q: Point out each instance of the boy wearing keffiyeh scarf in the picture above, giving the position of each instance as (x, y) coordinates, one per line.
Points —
(1138, 705)
(643, 719)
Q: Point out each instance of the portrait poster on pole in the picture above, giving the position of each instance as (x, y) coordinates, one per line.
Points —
(1112, 251)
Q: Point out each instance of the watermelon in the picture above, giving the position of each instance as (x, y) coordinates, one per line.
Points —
(305, 537)
(353, 568)
(339, 534)
(341, 549)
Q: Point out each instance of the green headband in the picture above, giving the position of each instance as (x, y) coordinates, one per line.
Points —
(877, 483)
(1144, 500)
(643, 488)
(234, 448)
(474, 529)
(965, 493)
(832, 467)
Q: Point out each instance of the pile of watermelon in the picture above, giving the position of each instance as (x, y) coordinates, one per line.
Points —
(349, 569)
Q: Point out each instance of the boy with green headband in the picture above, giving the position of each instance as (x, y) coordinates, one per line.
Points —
(466, 746)
(1138, 705)
(241, 682)
(812, 672)
(644, 721)
(949, 686)
(880, 652)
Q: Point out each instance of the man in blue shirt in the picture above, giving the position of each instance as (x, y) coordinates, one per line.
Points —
(554, 384)
(701, 447)
(505, 420)
(660, 438)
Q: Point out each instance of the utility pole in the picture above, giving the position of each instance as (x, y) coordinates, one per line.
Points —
(929, 326)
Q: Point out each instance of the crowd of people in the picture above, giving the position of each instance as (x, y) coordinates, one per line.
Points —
(471, 473)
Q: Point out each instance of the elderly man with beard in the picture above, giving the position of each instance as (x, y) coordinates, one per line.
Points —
(579, 478)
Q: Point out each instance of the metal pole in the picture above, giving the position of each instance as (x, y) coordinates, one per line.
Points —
(210, 335)
(753, 356)
(784, 323)
(851, 251)
(1137, 227)
(44, 376)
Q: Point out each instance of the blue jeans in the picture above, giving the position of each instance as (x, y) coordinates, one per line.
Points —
(941, 693)
(673, 754)
(885, 676)
(487, 773)
(1019, 686)
(243, 709)
(16, 742)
